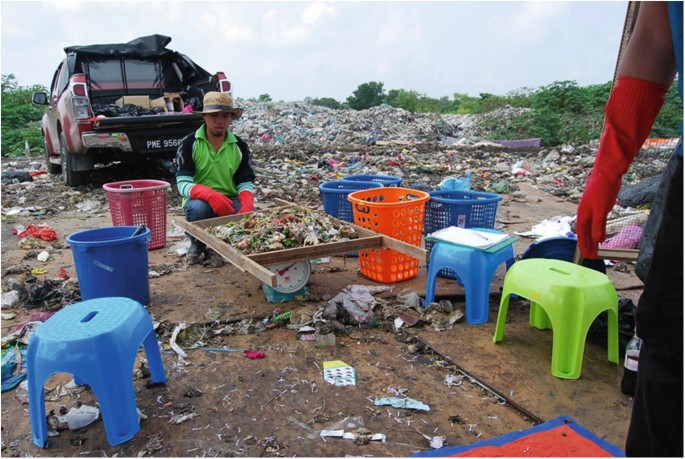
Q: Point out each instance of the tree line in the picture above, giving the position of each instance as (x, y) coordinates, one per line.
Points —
(559, 113)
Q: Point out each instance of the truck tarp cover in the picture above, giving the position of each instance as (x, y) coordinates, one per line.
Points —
(150, 46)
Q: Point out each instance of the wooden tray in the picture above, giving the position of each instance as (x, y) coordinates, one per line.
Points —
(255, 263)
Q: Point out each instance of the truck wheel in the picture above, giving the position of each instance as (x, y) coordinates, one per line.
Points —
(69, 175)
(50, 166)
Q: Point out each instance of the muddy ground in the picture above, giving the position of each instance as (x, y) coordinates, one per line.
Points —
(225, 404)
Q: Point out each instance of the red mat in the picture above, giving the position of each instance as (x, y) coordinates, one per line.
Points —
(560, 437)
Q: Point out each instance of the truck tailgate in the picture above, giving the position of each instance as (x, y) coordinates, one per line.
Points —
(145, 122)
(156, 134)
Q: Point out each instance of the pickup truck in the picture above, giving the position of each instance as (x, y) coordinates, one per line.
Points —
(120, 102)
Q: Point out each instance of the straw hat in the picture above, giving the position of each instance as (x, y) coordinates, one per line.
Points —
(215, 102)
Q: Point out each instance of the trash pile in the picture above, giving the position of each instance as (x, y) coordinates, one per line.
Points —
(298, 122)
(296, 146)
(295, 143)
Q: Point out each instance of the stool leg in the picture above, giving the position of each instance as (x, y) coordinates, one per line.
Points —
(501, 317)
(154, 358)
(114, 391)
(538, 317)
(477, 292)
(430, 283)
(612, 335)
(568, 347)
(39, 425)
(477, 281)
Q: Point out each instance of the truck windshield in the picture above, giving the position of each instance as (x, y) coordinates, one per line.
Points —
(124, 74)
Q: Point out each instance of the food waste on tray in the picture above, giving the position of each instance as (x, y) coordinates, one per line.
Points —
(282, 228)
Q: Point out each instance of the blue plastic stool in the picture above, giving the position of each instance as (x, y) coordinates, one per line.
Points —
(474, 268)
(97, 342)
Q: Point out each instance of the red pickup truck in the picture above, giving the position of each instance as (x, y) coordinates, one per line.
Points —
(120, 102)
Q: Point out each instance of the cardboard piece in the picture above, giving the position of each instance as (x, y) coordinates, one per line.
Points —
(159, 102)
(141, 101)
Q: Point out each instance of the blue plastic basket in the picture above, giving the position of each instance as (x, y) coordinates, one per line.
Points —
(334, 196)
(385, 180)
(465, 209)
(335, 202)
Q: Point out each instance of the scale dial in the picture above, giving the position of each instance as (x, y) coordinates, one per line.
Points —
(291, 276)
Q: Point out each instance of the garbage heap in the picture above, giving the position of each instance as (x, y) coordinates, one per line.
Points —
(297, 145)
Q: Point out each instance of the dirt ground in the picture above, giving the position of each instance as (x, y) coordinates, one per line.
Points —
(225, 404)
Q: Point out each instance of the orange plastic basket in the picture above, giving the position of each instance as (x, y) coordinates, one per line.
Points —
(140, 202)
(396, 212)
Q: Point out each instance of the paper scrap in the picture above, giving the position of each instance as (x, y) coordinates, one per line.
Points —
(469, 237)
(339, 373)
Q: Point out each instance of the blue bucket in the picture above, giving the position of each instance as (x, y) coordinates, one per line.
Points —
(112, 261)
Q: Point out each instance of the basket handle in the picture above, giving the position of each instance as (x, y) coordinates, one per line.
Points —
(126, 186)
(361, 208)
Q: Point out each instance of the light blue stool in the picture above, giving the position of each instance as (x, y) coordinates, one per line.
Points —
(474, 269)
(97, 342)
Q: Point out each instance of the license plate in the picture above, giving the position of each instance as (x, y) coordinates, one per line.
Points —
(161, 144)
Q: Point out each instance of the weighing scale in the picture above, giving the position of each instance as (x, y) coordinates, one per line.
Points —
(291, 280)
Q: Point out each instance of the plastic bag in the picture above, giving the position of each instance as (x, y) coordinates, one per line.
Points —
(456, 184)
(646, 245)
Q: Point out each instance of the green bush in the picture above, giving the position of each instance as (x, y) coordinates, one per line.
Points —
(327, 102)
(667, 124)
(20, 121)
(367, 95)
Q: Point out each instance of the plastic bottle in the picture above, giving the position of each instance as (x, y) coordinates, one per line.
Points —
(630, 366)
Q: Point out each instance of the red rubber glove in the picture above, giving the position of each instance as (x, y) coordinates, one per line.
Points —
(246, 199)
(220, 203)
(629, 116)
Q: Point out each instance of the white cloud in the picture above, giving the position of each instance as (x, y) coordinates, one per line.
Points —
(529, 23)
(69, 5)
(313, 13)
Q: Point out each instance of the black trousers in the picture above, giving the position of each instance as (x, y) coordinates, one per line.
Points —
(656, 424)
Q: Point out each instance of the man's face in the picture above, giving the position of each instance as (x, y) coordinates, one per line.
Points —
(218, 123)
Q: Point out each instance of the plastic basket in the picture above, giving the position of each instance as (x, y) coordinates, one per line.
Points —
(140, 202)
(334, 197)
(398, 213)
(385, 180)
(465, 209)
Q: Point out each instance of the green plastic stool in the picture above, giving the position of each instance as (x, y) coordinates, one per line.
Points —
(567, 298)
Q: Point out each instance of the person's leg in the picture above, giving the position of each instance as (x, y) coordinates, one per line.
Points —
(656, 425)
(236, 205)
(213, 259)
(196, 209)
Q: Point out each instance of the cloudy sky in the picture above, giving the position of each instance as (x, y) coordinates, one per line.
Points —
(292, 50)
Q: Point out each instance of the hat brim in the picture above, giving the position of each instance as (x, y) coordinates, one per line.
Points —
(236, 112)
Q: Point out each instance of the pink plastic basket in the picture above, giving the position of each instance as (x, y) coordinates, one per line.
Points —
(140, 202)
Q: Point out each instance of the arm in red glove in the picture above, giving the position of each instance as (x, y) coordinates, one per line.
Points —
(246, 198)
(629, 115)
(220, 203)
